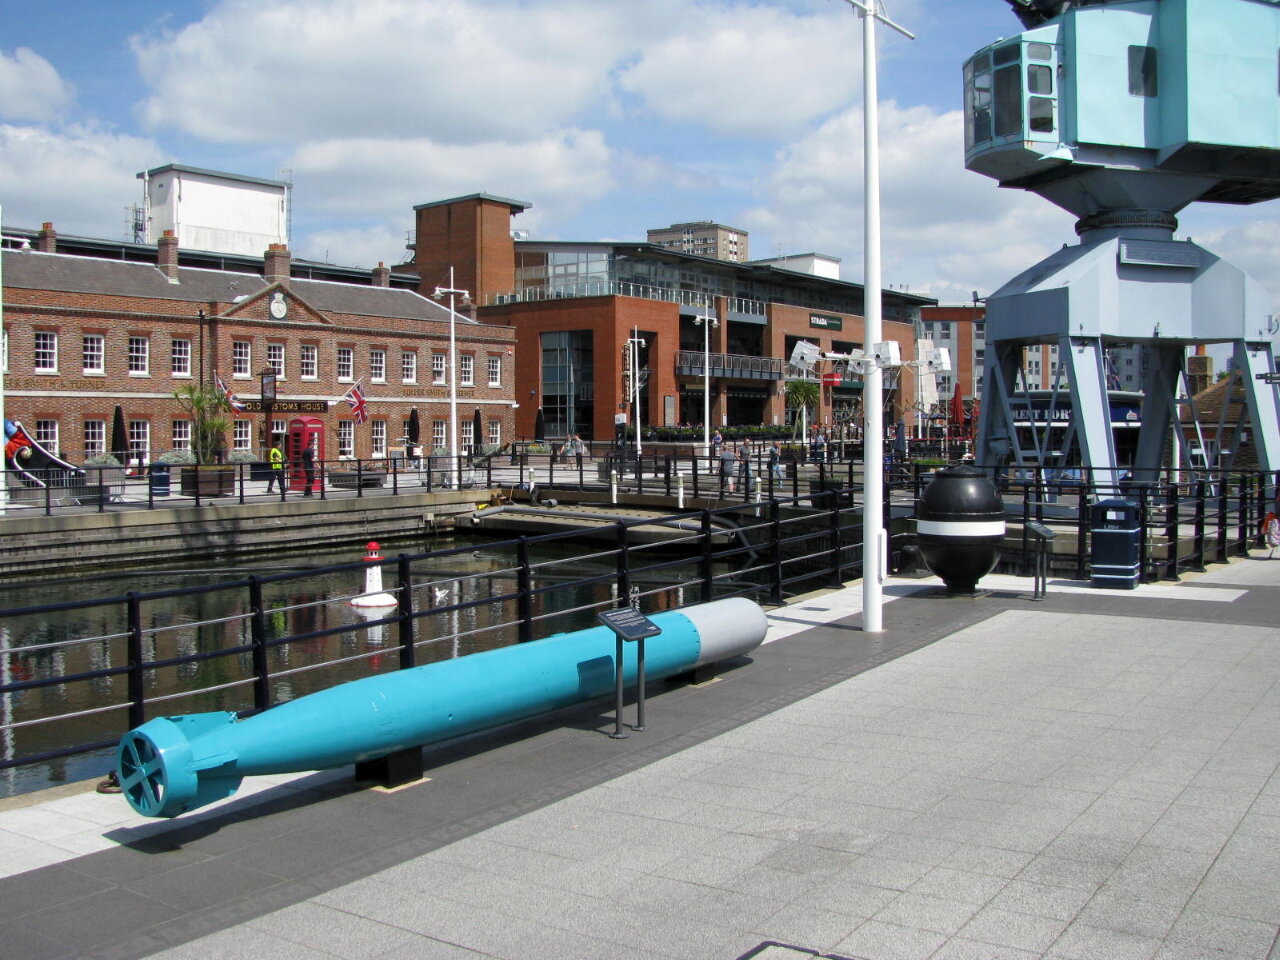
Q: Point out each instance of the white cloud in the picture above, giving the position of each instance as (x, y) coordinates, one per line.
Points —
(1241, 236)
(756, 71)
(945, 231)
(455, 71)
(81, 179)
(354, 247)
(385, 178)
(30, 88)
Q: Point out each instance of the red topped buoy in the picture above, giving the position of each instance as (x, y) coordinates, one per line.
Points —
(372, 556)
(373, 595)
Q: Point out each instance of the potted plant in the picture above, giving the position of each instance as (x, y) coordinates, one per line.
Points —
(208, 409)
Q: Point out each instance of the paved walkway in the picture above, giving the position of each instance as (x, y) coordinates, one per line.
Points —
(1091, 776)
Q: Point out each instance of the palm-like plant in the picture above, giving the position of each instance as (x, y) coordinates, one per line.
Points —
(208, 409)
(802, 394)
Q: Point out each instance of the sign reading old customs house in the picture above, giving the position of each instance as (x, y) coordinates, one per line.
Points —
(288, 406)
(824, 322)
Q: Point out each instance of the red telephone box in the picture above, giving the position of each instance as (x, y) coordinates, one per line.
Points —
(304, 432)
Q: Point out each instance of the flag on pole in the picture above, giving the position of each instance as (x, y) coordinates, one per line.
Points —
(236, 403)
(359, 409)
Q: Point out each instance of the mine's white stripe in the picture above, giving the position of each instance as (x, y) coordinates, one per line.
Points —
(961, 528)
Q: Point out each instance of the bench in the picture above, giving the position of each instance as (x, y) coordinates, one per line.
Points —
(350, 479)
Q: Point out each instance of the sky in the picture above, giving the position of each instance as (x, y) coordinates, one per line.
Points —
(608, 116)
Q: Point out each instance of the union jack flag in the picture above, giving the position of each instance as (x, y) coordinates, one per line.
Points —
(236, 403)
(359, 409)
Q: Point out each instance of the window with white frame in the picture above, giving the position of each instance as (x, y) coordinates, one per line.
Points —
(92, 351)
(45, 353)
(346, 363)
(180, 357)
(47, 434)
(439, 434)
(378, 366)
(181, 434)
(139, 439)
(277, 429)
(495, 371)
(95, 438)
(275, 359)
(467, 370)
(309, 364)
(242, 435)
(377, 438)
(437, 368)
(241, 358)
(139, 356)
(409, 366)
(468, 432)
(495, 433)
(346, 438)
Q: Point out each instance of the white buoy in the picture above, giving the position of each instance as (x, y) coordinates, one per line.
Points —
(374, 595)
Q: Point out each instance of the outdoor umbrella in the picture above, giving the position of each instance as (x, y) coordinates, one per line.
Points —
(957, 408)
(477, 432)
(540, 426)
(413, 431)
(119, 436)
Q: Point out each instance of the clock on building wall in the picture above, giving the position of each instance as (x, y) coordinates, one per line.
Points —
(279, 307)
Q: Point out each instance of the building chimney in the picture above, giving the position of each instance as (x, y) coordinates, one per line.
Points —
(167, 255)
(47, 239)
(275, 265)
(381, 275)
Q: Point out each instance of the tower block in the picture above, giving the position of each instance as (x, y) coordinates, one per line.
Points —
(1123, 112)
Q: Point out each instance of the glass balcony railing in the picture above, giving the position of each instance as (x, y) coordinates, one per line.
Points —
(691, 363)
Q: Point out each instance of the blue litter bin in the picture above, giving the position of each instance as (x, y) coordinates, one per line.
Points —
(159, 478)
(1115, 534)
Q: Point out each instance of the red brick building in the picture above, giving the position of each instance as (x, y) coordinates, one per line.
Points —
(91, 325)
(575, 307)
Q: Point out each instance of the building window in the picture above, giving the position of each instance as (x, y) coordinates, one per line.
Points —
(139, 356)
(140, 440)
(377, 438)
(46, 352)
(93, 353)
(1142, 72)
(495, 371)
(440, 434)
(182, 434)
(180, 358)
(95, 438)
(346, 363)
(277, 429)
(241, 358)
(437, 369)
(378, 366)
(275, 359)
(310, 362)
(468, 430)
(242, 435)
(495, 433)
(47, 434)
(346, 438)
(467, 370)
(409, 366)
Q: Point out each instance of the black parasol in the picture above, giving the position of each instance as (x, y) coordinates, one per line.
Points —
(477, 435)
(119, 436)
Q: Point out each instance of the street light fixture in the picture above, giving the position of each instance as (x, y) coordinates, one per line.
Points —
(453, 291)
(707, 323)
(268, 376)
(635, 344)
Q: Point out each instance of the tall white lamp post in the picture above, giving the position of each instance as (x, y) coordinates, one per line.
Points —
(873, 441)
(634, 345)
(707, 323)
(453, 291)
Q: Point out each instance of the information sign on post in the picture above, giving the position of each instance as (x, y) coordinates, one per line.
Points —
(629, 625)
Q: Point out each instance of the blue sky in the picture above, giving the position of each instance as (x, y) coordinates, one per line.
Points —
(608, 116)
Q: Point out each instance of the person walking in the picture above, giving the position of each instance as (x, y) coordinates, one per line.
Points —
(275, 457)
(308, 469)
(775, 462)
(744, 470)
(726, 468)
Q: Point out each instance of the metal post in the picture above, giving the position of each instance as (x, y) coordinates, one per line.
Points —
(833, 526)
(1200, 525)
(775, 551)
(258, 633)
(704, 562)
(137, 687)
(618, 732)
(404, 603)
(524, 591)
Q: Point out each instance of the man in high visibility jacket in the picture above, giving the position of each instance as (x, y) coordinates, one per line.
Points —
(276, 458)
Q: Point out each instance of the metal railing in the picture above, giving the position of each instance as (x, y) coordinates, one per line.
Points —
(270, 639)
(735, 365)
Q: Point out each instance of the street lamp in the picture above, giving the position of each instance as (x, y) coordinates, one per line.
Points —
(268, 376)
(453, 291)
(634, 345)
(873, 404)
(707, 323)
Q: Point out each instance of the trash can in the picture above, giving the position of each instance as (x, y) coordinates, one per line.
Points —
(1115, 535)
(159, 478)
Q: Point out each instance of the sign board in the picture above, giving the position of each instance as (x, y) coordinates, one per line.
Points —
(824, 322)
(629, 623)
(619, 418)
(1040, 530)
(1267, 377)
(287, 406)
(832, 379)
